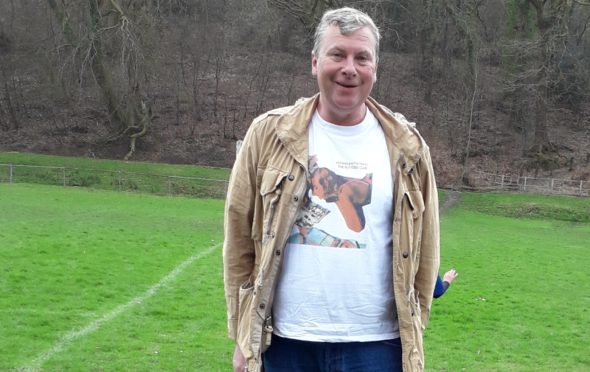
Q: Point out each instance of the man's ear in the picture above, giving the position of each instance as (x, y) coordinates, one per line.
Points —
(314, 64)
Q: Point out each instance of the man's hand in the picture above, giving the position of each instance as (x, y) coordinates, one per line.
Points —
(238, 361)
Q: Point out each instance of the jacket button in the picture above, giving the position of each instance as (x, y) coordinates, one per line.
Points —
(278, 252)
(405, 255)
(291, 177)
(296, 198)
(262, 306)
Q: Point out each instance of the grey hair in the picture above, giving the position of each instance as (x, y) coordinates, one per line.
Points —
(348, 21)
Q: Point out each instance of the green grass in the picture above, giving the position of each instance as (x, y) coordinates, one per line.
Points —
(72, 256)
(562, 208)
(114, 165)
(163, 179)
(521, 300)
(88, 261)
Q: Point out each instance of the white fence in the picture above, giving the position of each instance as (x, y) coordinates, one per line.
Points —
(114, 180)
(214, 188)
(491, 181)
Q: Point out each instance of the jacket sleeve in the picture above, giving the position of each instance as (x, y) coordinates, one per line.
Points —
(430, 246)
(440, 288)
(238, 245)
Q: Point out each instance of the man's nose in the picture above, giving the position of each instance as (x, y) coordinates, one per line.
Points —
(349, 68)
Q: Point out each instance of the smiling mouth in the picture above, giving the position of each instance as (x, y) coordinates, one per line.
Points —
(346, 85)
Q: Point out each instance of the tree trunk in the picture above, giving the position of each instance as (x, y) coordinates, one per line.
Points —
(102, 73)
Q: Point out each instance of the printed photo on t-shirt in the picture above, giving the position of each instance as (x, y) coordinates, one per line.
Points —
(326, 189)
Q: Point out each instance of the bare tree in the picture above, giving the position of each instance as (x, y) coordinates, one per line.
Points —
(543, 30)
(307, 12)
(95, 70)
(465, 16)
(8, 107)
(109, 49)
(470, 121)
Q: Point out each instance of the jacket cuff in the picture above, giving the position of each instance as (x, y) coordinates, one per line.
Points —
(446, 285)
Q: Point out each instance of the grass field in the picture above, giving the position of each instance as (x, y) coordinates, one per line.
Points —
(152, 178)
(114, 165)
(96, 280)
(522, 298)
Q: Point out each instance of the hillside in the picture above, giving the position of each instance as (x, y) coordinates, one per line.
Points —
(198, 80)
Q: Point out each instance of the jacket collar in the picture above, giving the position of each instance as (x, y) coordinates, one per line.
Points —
(402, 137)
(292, 128)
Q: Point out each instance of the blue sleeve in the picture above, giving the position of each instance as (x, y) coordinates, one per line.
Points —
(439, 288)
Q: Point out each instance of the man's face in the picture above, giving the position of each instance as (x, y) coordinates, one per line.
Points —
(346, 70)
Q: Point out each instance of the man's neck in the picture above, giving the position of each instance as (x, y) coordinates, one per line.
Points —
(343, 118)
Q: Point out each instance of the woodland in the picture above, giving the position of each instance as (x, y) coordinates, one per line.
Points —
(500, 86)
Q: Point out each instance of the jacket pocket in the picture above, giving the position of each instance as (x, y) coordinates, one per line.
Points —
(411, 228)
(270, 192)
(245, 298)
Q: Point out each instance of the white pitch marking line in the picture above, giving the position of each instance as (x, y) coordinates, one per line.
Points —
(70, 337)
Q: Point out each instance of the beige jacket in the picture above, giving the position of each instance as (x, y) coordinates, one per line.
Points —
(266, 190)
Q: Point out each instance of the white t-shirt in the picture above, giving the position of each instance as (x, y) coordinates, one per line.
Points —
(336, 282)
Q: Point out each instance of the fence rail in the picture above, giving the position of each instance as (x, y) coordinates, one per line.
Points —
(214, 188)
(114, 180)
(491, 181)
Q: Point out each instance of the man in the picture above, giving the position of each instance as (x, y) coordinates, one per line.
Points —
(298, 299)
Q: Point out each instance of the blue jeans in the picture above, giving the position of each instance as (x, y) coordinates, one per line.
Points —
(304, 356)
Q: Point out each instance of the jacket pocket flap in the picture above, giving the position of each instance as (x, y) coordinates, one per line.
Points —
(416, 202)
(271, 179)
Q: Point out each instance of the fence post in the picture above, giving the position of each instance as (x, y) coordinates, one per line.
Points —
(169, 185)
(524, 186)
(581, 182)
(502, 183)
(552, 183)
(119, 179)
(10, 172)
(63, 172)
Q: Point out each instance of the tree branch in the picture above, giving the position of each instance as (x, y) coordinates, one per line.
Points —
(579, 38)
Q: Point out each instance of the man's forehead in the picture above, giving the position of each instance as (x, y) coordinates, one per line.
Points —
(334, 38)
